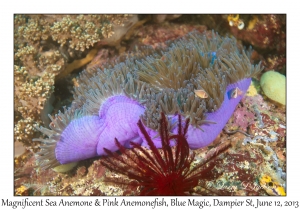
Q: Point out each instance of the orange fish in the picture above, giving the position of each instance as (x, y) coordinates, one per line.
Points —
(201, 93)
(235, 92)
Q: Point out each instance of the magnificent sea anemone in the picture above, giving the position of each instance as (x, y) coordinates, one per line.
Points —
(202, 77)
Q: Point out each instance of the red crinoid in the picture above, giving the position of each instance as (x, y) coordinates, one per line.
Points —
(165, 171)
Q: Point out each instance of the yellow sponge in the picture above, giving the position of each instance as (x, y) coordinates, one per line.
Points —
(273, 85)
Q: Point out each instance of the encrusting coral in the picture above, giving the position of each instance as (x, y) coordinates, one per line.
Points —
(267, 34)
(109, 104)
(48, 48)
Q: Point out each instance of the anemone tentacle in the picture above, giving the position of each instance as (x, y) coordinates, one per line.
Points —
(46, 158)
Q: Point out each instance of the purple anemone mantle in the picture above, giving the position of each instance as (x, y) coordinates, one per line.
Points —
(86, 137)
